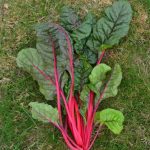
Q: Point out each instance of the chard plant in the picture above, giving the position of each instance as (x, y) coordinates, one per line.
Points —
(66, 63)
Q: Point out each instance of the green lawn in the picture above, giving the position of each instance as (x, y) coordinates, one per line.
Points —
(18, 131)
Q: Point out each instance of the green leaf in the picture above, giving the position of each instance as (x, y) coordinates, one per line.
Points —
(28, 59)
(98, 74)
(87, 55)
(113, 119)
(82, 72)
(85, 93)
(65, 83)
(97, 81)
(69, 19)
(90, 56)
(44, 112)
(97, 77)
(113, 83)
(84, 96)
(84, 30)
(80, 37)
(112, 27)
(93, 44)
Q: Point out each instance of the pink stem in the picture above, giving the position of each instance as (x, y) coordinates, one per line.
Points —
(70, 50)
(101, 57)
(64, 100)
(57, 83)
(90, 108)
(69, 141)
(62, 94)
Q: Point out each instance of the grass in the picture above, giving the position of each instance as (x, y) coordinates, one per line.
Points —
(18, 130)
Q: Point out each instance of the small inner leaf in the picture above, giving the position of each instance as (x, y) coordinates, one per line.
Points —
(113, 83)
(113, 119)
(98, 74)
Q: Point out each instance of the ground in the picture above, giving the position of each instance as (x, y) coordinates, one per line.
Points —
(18, 131)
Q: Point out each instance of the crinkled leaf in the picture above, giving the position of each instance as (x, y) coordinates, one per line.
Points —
(44, 112)
(64, 79)
(113, 83)
(84, 96)
(28, 59)
(65, 83)
(80, 37)
(92, 44)
(87, 55)
(84, 30)
(113, 119)
(85, 93)
(82, 71)
(69, 19)
(112, 27)
(90, 56)
(79, 46)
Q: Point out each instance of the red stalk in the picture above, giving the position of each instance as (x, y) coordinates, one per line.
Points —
(58, 91)
(70, 50)
(78, 118)
(57, 82)
(65, 135)
(69, 141)
(90, 110)
(101, 57)
(73, 123)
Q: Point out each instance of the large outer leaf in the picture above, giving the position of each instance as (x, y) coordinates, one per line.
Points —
(113, 119)
(69, 19)
(113, 83)
(28, 59)
(44, 112)
(46, 33)
(112, 27)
